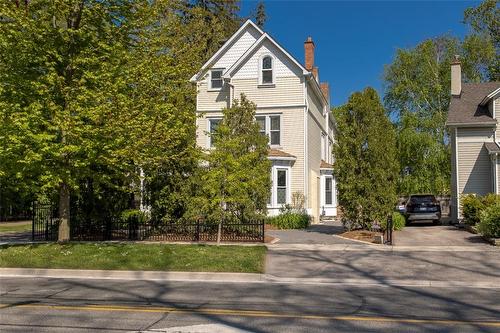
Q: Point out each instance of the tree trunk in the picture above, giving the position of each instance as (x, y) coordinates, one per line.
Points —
(64, 215)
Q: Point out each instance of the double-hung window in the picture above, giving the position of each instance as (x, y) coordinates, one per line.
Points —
(266, 76)
(281, 186)
(216, 79)
(270, 125)
(328, 190)
(213, 123)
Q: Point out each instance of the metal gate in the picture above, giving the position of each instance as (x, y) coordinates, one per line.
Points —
(44, 225)
(388, 235)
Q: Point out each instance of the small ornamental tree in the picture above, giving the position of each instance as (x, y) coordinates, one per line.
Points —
(365, 160)
(236, 182)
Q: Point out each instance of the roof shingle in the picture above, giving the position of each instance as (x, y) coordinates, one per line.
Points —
(279, 153)
(465, 109)
(492, 147)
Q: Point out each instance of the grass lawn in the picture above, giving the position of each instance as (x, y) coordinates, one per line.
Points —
(15, 227)
(133, 256)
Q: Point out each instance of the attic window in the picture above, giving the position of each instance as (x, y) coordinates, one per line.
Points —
(216, 79)
(267, 70)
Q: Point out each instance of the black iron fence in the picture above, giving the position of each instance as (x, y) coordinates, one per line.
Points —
(45, 225)
(170, 232)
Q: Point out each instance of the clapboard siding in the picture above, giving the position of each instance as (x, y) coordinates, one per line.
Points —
(288, 91)
(211, 100)
(314, 160)
(316, 108)
(477, 134)
(292, 141)
(474, 169)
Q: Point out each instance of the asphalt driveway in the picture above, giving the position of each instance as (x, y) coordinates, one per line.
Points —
(425, 234)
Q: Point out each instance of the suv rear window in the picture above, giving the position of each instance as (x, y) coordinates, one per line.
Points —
(420, 199)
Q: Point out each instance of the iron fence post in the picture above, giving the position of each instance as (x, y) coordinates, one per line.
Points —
(197, 237)
(33, 222)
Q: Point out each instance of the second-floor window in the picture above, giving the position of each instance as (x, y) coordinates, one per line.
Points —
(212, 128)
(271, 126)
(216, 79)
(267, 70)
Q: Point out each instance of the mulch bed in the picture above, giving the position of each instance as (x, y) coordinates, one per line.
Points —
(362, 235)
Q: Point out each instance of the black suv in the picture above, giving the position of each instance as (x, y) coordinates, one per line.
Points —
(422, 207)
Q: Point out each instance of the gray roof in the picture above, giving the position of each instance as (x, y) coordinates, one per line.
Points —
(492, 147)
(465, 109)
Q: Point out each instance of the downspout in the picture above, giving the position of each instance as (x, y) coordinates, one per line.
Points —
(231, 93)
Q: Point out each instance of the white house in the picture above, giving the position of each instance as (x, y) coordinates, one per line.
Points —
(293, 109)
(475, 136)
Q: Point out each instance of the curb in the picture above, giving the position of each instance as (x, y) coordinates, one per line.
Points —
(378, 247)
(234, 278)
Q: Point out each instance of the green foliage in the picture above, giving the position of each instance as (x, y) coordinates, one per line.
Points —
(235, 184)
(290, 218)
(418, 94)
(398, 222)
(473, 206)
(489, 224)
(260, 15)
(485, 23)
(135, 215)
(365, 160)
(92, 90)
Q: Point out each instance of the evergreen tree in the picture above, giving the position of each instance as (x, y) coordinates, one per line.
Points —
(260, 15)
(236, 183)
(365, 160)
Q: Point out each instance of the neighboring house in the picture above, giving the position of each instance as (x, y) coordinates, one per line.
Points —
(293, 110)
(475, 134)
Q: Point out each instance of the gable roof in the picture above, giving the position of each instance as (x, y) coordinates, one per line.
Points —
(224, 47)
(467, 109)
(231, 70)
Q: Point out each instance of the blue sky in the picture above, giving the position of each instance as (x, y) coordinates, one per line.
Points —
(355, 39)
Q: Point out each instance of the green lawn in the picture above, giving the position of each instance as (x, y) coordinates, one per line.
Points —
(129, 256)
(15, 227)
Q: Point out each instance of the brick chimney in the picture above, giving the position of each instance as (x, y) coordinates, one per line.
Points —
(456, 77)
(325, 88)
(309, 53)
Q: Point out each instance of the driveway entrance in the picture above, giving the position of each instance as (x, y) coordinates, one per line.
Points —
(426, 234)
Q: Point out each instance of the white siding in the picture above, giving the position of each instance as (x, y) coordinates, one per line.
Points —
(202, 128)
(288, 91)
(314, 160)
(283, 66)
(211, 100)
(316, 108)
(474, 174)
(478, 134)
(498, 174)
(237, 49)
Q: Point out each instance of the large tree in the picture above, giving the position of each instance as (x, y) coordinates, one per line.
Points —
(365, 160)
(96, 90)
(236, 183)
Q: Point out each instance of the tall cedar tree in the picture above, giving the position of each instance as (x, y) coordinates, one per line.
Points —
(236, 183)
(365, 160)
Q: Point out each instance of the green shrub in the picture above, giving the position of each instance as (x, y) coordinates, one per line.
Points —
(489, 224)
(473, 205)
(471, 208)
(398, 220)
(136, 215)
(290, 219)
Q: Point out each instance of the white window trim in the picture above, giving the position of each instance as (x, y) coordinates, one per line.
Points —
(209, 137)
(323, 194)
(273, 69)
(210, 88)
(274, 188)
(268, 126)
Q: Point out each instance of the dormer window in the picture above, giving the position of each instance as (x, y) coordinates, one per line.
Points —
(216, 79)
(267, 65)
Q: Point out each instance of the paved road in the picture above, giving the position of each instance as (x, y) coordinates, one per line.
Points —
(56, 305)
